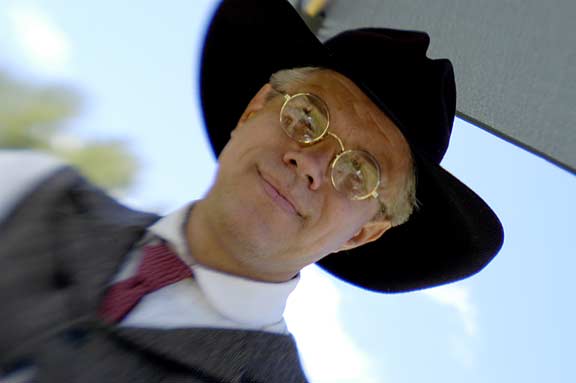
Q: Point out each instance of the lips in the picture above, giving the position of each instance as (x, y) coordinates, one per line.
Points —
(278, 197)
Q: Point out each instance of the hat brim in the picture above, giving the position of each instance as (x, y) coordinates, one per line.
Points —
(453, 234)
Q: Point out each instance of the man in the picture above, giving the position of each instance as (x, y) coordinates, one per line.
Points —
(328, 153)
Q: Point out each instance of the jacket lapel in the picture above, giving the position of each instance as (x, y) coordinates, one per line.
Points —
(92, 239)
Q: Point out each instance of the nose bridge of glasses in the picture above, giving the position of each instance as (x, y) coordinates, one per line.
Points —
(340, 143)
(324, 150)
(314, 159)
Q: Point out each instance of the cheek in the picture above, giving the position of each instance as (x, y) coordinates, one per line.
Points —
(259, 134)
(338, 221)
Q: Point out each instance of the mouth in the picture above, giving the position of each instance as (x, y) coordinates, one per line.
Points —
(278, 197)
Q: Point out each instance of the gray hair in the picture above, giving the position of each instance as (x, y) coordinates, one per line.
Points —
(403, 202)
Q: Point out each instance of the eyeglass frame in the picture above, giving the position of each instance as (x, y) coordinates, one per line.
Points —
(374, 193)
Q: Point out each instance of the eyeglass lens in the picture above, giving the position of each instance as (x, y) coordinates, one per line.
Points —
(304, 118)
(355, 173)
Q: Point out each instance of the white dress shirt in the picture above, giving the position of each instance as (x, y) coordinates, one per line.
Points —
(210, 299)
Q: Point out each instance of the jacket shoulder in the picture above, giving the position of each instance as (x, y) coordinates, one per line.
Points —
(21, 171)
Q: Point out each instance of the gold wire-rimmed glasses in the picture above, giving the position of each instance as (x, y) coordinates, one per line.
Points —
(305, 118)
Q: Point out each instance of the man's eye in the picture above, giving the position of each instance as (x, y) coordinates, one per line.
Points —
(353, 182)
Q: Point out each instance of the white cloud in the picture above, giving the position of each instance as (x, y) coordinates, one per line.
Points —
(43, 43)
(329, 355)
(463, 351)
(457, 297)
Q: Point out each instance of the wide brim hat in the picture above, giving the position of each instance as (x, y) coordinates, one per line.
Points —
(454, 233)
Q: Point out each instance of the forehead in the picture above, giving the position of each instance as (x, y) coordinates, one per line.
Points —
(349, 106)
(359, 122)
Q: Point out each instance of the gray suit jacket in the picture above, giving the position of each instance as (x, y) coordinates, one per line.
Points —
(59, 248)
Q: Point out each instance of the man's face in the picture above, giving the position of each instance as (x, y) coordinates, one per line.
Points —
(273, 200)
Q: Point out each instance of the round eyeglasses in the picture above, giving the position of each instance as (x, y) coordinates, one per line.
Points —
(305, 118)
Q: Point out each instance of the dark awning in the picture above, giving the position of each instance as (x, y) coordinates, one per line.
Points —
(515, 62)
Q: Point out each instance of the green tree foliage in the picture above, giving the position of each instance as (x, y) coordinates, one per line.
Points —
(36, 117)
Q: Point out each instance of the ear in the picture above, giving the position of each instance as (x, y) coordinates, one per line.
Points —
(371, 231)
(256, 104)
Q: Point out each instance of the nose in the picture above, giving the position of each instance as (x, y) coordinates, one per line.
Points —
(312, 162)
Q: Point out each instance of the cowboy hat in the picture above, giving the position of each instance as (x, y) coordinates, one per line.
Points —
(454, 233)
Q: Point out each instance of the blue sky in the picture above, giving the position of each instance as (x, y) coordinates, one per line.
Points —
(135, 63)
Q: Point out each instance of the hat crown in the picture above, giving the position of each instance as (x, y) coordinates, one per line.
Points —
(391, 67)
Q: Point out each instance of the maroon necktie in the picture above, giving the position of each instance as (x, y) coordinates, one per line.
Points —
(159, 267)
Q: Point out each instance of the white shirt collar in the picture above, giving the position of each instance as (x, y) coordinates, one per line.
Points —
(239, 299)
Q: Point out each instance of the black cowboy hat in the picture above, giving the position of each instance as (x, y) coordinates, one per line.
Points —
(453, 234)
